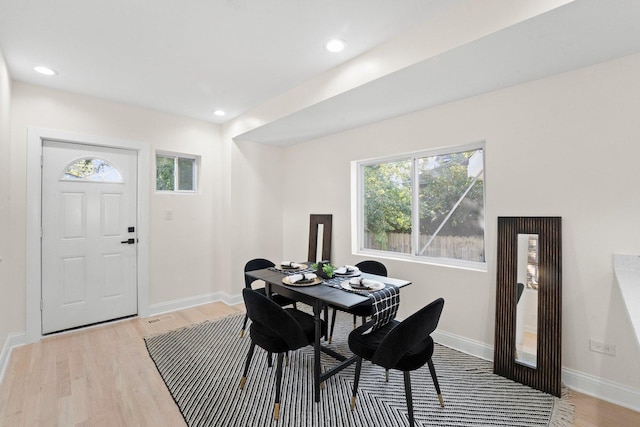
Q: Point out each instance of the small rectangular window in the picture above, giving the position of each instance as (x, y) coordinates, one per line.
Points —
(186, 174)
(175, 173)
(426, 206)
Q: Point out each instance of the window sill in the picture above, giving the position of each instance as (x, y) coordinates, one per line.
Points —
(438, 262)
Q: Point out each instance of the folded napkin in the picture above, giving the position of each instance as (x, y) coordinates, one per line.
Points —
(289, 264)
(347, 269)
(360, 283)
(294, 278)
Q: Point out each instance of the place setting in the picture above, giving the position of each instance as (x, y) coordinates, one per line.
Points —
(347, 271)
(291, 266)
(302, 279)
(360, 284)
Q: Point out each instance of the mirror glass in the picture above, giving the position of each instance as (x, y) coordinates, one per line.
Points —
(527, 300)
(319, 243)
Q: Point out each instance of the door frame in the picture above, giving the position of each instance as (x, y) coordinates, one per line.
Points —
(35, 136)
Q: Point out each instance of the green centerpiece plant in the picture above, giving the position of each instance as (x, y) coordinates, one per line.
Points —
(324, 269)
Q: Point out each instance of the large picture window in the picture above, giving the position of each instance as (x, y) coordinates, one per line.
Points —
(427, 206)
(175, 173)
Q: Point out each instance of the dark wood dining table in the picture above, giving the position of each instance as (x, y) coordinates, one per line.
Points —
(318, 297)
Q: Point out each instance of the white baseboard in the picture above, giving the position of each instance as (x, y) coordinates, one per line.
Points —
(181, 304)
(465, 345)
(584, 383)
(13, 340)
(602, 389)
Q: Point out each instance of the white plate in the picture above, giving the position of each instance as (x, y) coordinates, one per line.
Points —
(376, 286)
(351, 274)
(299, 267)
(314, 282)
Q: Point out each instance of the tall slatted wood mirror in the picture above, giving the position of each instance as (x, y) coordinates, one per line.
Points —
(529, 302)
(320, 237)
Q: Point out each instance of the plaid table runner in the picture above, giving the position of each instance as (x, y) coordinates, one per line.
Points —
(384, 302)
(385, 306)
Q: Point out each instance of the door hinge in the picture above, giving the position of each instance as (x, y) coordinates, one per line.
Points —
(41, 305)
(41, 232)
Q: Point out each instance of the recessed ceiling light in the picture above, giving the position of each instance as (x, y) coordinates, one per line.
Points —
(335, 45)
(219, 113)
(45, 70)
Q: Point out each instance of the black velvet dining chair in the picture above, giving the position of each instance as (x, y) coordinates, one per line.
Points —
(361, 310)
(404, 346)
(259, 264)
(277, 330)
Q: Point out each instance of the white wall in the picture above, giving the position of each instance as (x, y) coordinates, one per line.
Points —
(184, 251)
(572, 141)
(6, 285)
(257, 190)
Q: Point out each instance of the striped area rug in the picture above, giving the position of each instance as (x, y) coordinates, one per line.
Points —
(202, 365)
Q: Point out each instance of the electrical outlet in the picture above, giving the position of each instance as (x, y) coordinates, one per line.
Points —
(600, 347)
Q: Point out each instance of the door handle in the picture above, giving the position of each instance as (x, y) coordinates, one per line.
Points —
(128, 242)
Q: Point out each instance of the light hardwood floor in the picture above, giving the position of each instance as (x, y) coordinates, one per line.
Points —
(103, 376)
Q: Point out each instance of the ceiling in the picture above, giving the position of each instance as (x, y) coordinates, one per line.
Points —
(192, 57)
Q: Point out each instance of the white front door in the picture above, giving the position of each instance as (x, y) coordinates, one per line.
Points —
(88, 234)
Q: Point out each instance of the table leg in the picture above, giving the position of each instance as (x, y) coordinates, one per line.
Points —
(317, 309)
(267, 289)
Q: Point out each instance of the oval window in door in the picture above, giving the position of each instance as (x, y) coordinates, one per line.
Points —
(91, 169)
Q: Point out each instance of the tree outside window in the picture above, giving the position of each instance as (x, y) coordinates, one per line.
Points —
(427, 205)
(387, 202)
(175, 173)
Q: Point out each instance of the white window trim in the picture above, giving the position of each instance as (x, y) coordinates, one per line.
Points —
(176, 156)
(357, 209)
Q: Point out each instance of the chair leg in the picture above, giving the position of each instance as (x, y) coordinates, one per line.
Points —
(355, 318)
(244, 325)
(386, 375)
(356, 380)
(432, 370)
(276, 406)
(333, 324)
(407, 392)
(243, 380)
